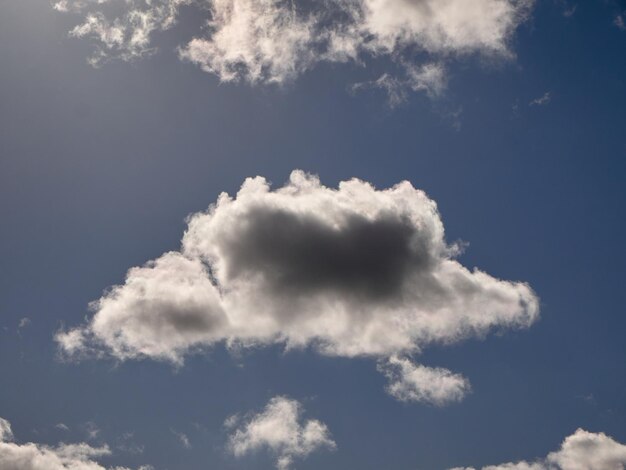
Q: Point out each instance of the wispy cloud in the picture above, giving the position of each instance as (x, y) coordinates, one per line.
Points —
(34, 456)
(542, 100)
(182, 438)
(275, 41)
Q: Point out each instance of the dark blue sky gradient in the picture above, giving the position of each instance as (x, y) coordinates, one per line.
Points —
(99, 167)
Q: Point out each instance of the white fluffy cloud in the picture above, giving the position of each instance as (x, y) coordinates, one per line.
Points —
(274, 41)
(414, 382)
(280, 429)
(353, 271)
(31, 456)
(259, 40)
(582, 450)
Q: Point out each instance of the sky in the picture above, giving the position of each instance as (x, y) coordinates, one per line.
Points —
(350, 234)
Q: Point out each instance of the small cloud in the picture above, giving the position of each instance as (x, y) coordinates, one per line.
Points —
(279, 428)
(588, 398)
(515, 112)
(24, 322)
(232, 421)
(453, 116)
(620, 22)
(182, 437)
(92, 430)
(127, 444)
(62, 427)
(568, 12)
(429, 78)
(410, 382)
(542, 100)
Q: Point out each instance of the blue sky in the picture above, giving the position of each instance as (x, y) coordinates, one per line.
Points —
(516, 131)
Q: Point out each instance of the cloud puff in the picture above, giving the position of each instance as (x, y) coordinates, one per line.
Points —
(582, 450)
(182, 438)
(414, 382)
(255, 40)
(353, 271)
(280, 429)
(274, 41)
(31, 456)
(542, 100)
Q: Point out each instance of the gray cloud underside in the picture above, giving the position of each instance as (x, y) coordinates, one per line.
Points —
(582, 450)
(352, 271)
(274, 41)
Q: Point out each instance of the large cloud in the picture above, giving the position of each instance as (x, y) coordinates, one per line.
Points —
(274, 41)
(352, 271)
(582, 450)
(31, 456)
(279, 429)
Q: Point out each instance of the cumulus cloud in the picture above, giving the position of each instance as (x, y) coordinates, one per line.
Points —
(414, 382)
(280, 430)
(257, 40)
(582, 450)
(353, 271)
(274, 41)
(31, 456)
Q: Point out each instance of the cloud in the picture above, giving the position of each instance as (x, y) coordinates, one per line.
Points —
(182, 438)
(429, 78)
(353, 271)
(542, 100)
(280, 429)
(582, 450)
(414, 382)
(24, 322)
(619, 22)
(569, 12)
(275, 41)
(6, 434)
(31, 456)
(92, 430)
